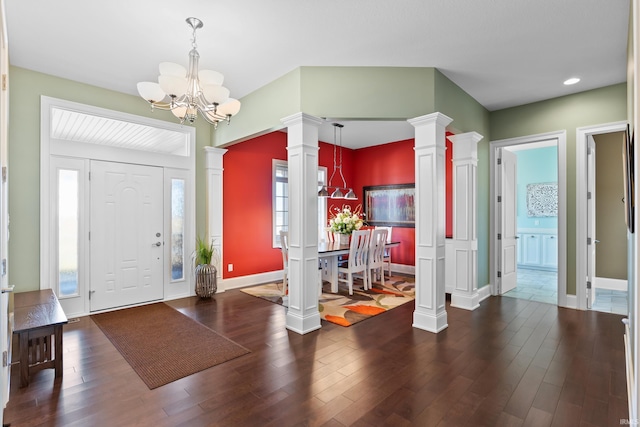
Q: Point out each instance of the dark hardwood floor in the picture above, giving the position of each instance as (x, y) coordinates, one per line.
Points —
(511, 362)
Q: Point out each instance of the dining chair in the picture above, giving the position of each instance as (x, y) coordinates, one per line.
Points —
(329, 235)
(376, 256)
(387, 251)
(357, 262)
(284, 247)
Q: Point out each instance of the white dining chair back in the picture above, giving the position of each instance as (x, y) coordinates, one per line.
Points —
(284, 247)
(358, 258)
(387, 251)
(376, 255)
(329, 235)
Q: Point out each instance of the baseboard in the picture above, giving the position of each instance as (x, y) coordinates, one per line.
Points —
(484, 292)
(403, 269)
(251, 280)
(572, 302)
(611, 284)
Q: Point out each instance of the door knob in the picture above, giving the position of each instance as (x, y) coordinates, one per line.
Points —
(156, 244)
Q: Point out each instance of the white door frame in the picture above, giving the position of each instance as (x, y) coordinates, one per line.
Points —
(51, 148)
(582, 135)
(561, 137)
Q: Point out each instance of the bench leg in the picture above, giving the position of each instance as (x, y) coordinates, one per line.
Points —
(23, 343)
(58, 357)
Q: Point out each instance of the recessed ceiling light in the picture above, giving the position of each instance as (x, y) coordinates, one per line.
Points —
(571, 81)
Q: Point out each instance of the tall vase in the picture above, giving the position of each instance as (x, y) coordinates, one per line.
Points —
(206, 280)
(344, 239)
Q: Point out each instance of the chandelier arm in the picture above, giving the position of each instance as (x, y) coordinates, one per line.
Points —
(212, 122)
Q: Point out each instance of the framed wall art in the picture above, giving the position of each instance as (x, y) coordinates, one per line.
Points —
(542, 199)
(390, 205)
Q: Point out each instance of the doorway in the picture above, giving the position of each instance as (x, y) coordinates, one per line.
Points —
(528, 225)
(601, 249)
(117, 200)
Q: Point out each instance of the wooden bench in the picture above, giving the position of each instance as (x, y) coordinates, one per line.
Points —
(38, 320)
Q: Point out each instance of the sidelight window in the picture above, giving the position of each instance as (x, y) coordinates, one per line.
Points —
(177, 228)
(68, 232)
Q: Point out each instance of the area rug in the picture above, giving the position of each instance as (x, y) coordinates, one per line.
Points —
(163, 345)
(344, 309)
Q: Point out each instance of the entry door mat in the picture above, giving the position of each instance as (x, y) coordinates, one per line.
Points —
(163, 345)
(344, 309)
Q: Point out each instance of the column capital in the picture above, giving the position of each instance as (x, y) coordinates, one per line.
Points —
(213, 157)
(298, 118)
(433, 118)
(465, 145)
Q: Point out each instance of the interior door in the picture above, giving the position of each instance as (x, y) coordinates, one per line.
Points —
(507, 242)
(6, 310)
(126, 234)
(591, 220)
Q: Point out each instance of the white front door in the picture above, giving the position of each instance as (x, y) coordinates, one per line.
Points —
(591, 220)
(126, 234)
(507, 191)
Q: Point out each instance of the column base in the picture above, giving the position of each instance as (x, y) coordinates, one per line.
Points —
(429, 322)
(303, 325)
(465, 301)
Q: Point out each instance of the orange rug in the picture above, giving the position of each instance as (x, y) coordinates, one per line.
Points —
(344, 309)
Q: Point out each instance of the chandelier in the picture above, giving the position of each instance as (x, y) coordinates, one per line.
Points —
(190, 91)
(337, 194)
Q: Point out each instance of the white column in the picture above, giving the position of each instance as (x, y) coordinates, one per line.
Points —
(213, 168)
(465, 239)
(430, 313)
(302, 157)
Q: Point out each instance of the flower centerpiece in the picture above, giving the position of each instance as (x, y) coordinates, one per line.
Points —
(344, 222)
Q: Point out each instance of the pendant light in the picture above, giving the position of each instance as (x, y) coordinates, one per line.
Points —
(337, 193)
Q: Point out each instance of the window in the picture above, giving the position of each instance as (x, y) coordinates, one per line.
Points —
(281, 201)
(68, 227)
(177, 229)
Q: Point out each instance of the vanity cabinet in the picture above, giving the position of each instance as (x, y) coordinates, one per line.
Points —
(538, 249)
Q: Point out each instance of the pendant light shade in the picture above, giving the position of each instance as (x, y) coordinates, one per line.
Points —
(337, 194)
(323, 192)
(351, 195)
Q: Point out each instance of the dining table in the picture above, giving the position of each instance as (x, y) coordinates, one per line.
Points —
(329, 253)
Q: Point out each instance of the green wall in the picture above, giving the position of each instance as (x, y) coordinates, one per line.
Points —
(25, 89)
(385, 93)
(469, 116)
(598, 106)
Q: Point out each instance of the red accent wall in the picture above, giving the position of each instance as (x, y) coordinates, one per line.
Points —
(247, 195)
(392, 163)
(247, 222)
(247, 199)
(448, 158)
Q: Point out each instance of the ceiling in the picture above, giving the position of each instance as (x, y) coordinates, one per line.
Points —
(503, 53)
